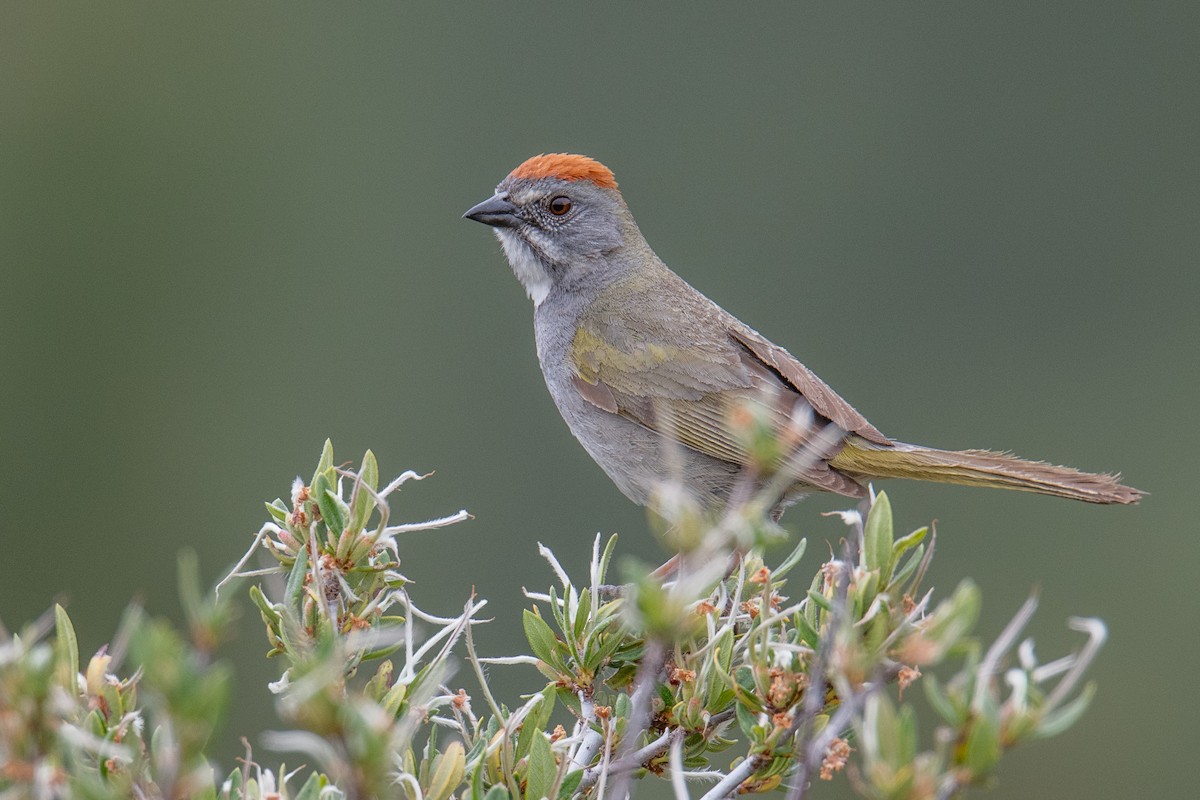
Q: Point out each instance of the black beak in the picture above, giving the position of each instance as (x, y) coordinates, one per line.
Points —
(495, 211)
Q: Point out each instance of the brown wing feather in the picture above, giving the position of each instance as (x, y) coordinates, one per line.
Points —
(824, 400)
(689, 394)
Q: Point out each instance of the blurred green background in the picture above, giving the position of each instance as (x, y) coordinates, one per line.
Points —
(227, 232)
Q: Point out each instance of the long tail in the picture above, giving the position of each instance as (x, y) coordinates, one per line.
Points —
(862, 459)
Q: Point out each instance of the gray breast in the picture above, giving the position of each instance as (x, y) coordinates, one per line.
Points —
(637, 459)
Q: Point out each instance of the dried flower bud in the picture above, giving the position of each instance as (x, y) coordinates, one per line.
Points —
(835, 759)
(679, 675)
(97, 669)
(905, 678)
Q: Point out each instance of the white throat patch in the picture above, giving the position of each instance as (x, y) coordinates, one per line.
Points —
(525, 265)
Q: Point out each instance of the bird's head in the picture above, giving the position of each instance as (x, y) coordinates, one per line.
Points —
(558, 217)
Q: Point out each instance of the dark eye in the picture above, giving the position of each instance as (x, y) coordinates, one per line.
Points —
(560, 205)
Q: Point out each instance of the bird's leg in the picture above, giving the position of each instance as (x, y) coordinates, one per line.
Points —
(864, 507)
(671, 565)
(610, 591)
(735, 561)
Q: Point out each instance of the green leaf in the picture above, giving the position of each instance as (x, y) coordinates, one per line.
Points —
(378, 685)
(535, 722)
(819, 600)
(270, 613)
(570, 784)
(278, 511)
(94, 724)
(325, 463)
(334, 511)
(294, 593)
(67, 650)
(718, 693)
(877, 538)
(606, 556)
(541, 717)
(497, 792)
(541, 638)
(311, 790)
(877, 632)
(811, 610)
(478, 763)
(235, 783)
(901, 576)
(887, 731)
(953, 618)
(746, 720)
(623, 706)
(542, 769)
(364, 501)
(906, 543)
(1060, 719)
(611, 643)
(940, 702)
(447, 772)
(559, 610)
(863, 593)
(582, 614)
(791, 561)
(743, 678)
(907, 733)
(381, 652)
(983, 742)
(807, 633)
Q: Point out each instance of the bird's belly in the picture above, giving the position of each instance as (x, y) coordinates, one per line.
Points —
(639, 461)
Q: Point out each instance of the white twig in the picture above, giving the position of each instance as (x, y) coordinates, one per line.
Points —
(625, 765)
(991, 661)
(730, 783)
(267, 529)
(545, 553)
(440, 522)
(639, 708)
(542, 597)
(703, 775)
(508, 660)
(604, 761)
(452, 631)
(1097, 633)
(419, 614)
(594, 572)
(678, 782)
(1045, 672)
(591, 740)
(405, 477)
(254, 573)
(478, 668)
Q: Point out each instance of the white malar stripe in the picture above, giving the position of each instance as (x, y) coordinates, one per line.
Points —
(525, 265)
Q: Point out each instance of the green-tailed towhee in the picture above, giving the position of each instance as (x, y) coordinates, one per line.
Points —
(653, 378)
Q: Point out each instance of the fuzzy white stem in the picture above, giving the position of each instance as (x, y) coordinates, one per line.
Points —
(678, 782)
(730, 783)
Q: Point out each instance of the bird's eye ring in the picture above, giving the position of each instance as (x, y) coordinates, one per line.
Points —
(560, 205)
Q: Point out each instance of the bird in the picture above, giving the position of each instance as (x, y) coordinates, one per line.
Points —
(658, 382)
